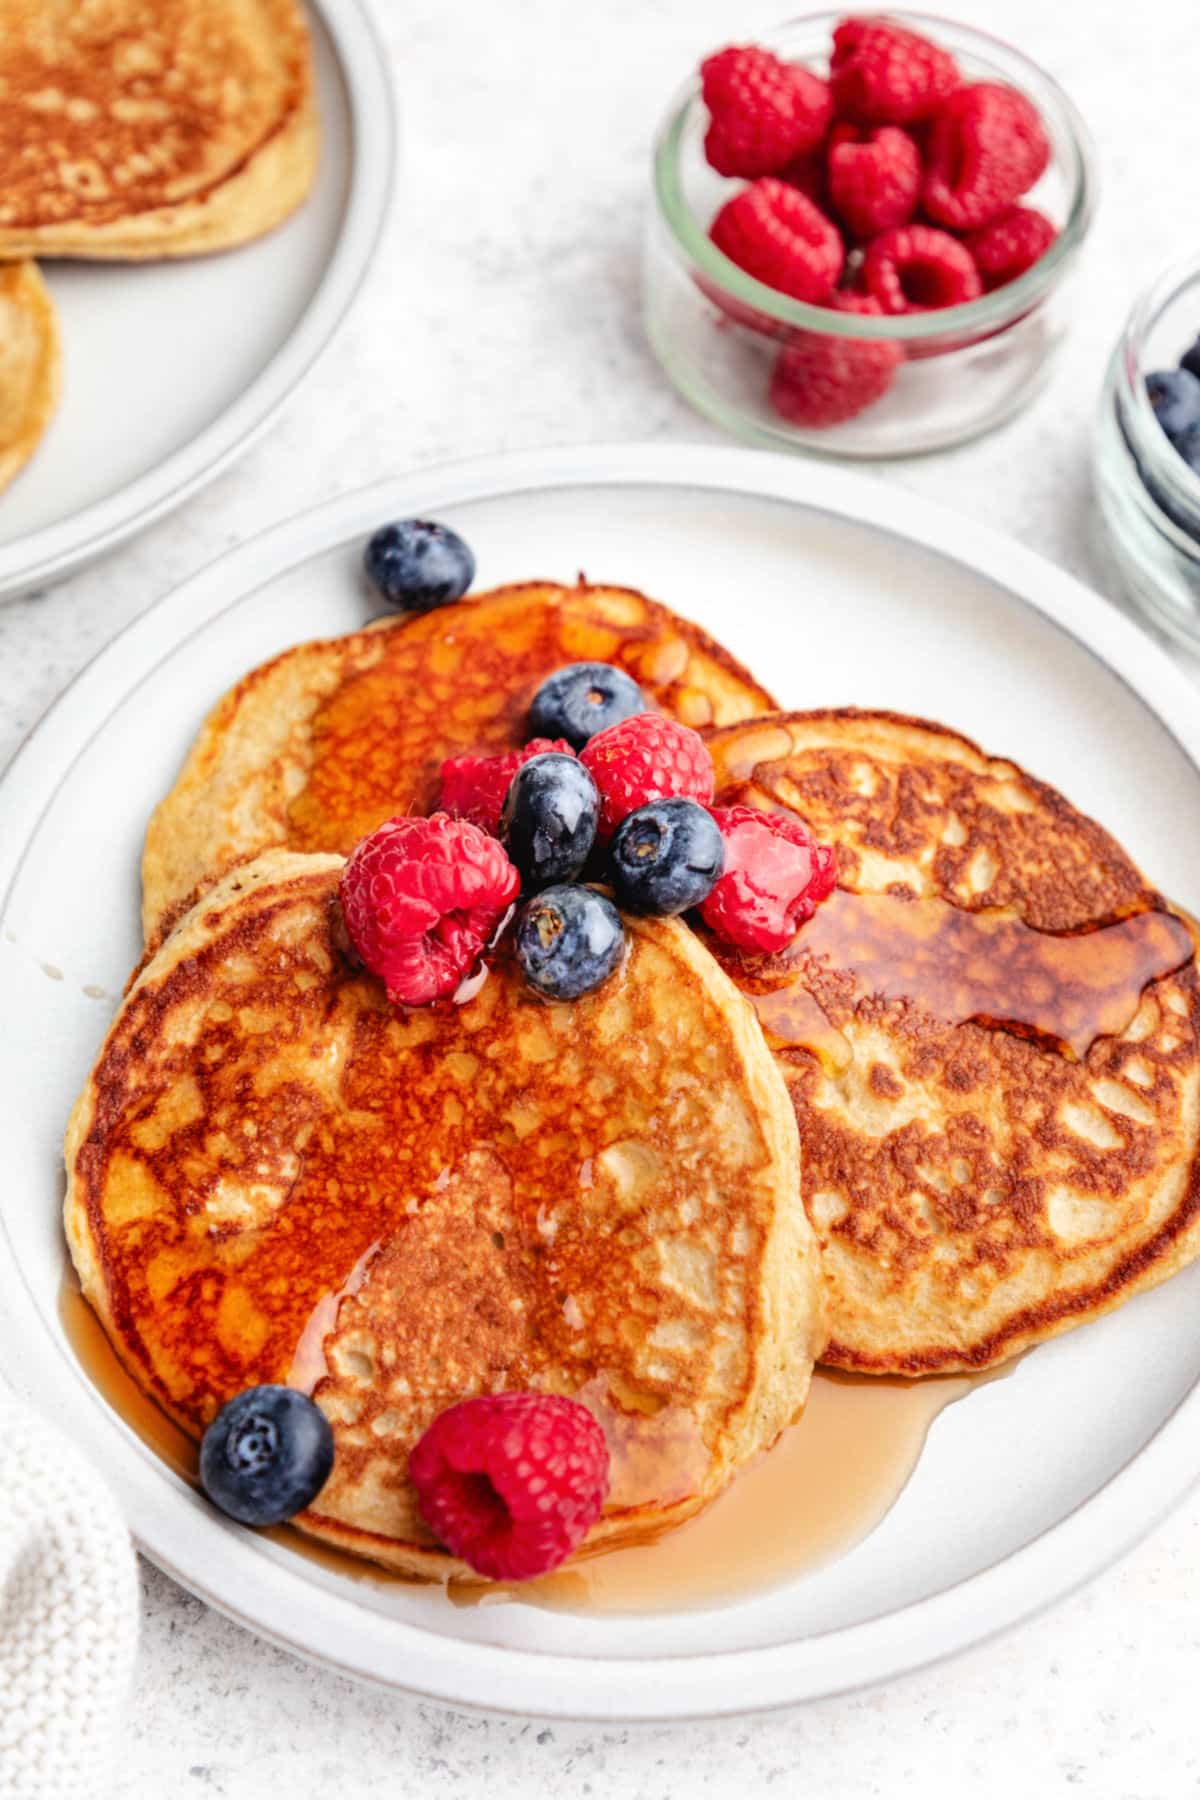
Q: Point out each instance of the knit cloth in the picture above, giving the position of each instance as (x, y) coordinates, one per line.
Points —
(68, 1616)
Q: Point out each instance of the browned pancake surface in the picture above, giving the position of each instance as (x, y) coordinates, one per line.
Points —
(974, 1186)
(116, 107)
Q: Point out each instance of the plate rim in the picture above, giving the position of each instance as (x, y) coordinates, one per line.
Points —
(331, 1629)
(50, 552)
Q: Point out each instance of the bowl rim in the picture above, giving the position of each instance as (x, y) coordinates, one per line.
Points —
(692, 244)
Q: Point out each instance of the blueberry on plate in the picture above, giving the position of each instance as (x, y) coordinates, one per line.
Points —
(666, 857)
(417, 565)
(1175, 396)
(569, 941)
(582, 699)
(548, 822)
(1190, 360)
(266, 1455)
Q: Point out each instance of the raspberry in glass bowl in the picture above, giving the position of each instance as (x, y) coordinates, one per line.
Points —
(862, 233)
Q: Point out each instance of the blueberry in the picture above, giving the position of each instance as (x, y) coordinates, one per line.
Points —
(1175, 396)
(582, 699)
(417, 566)
(1190, 360)
(1163, 500)
(1188, 445)
(266, 1455)
(548, 824)
(666, 857)
(569, 940)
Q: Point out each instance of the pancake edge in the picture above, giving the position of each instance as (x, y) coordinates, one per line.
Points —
(48, 380)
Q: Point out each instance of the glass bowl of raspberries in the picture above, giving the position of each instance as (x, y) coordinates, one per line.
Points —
(1147, 449)
(861, 234)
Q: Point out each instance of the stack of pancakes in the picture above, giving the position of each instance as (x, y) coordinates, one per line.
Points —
(671, 1197)
(136, 129)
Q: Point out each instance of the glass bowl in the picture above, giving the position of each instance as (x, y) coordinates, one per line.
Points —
(1149, 496)
(717, 331)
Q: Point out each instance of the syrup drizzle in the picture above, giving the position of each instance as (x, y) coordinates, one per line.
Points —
(1061, 990)
(824, 1486)
(99, 1362)
(308, 1365)
(827, 1483)
(655, 1457)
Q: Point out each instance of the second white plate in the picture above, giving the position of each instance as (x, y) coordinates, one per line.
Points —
(171, 369)
(835, 589)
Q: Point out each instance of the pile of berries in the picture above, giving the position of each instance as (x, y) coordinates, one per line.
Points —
(892, 187)
(604, 788)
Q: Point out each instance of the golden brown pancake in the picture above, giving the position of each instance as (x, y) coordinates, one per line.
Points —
(274, 1175)
(30, 365)
(317, 747)
(999, 1125)
(147, 128)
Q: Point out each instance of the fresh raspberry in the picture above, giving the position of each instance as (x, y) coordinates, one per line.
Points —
(473, 787)
(822, 380)
(422, 899)
(776, 875)
(986, 148)
(764, 111)
(917, 269)
(773, 232)
(511, 1483)
(807, 173)
(874, 178)
(882, 74)
(646, 758)
(1010, 245)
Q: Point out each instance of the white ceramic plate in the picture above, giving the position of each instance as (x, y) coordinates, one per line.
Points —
(171, 369)
(837, 589)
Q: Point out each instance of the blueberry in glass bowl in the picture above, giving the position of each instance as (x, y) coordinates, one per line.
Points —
(1147, 453)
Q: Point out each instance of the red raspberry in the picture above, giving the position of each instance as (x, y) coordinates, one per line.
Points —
(474, 787)
(874, 178)
(986, 148)
(773, 232)
(807, 173)
(646, 758)
(764, 111)
(1010, 245)
(822, 380)
(882, 74)
(776, 875)
(422, 899)
(916, 269)
(511, 1483)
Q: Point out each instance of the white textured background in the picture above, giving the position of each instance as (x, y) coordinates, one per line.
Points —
(504, 314)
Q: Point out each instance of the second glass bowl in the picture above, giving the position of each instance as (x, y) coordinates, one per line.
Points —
(1149, 496)
(718, 332)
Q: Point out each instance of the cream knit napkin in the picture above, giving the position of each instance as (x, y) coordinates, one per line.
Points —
(68, 1616)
